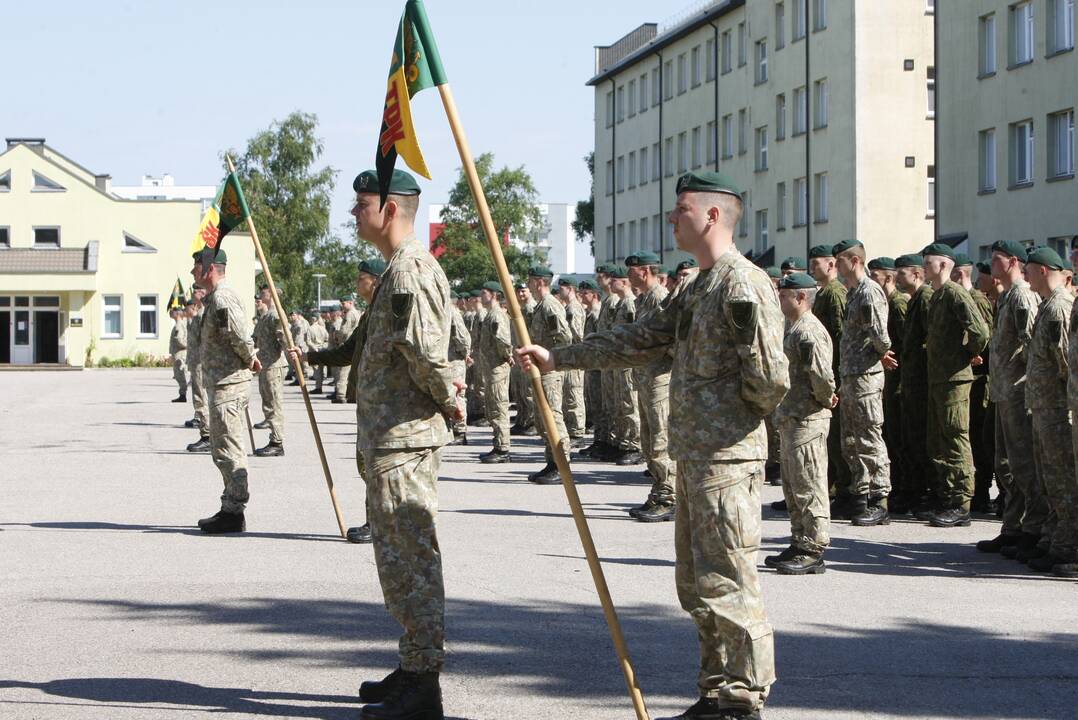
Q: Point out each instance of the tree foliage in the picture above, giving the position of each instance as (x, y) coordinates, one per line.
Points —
(514, 208)
(584, 224)
(338, 257)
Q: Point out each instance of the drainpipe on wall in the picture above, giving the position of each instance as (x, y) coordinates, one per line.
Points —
(662, 177)
(808, 140)
(715, 64)
(614, 164)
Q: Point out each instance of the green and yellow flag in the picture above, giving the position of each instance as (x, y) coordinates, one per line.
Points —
(178, 296)
(415, 66)
(229, 211)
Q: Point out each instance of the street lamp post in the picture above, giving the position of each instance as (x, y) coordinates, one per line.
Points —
(318, 278)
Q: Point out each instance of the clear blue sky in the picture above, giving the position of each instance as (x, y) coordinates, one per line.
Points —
(144, 86)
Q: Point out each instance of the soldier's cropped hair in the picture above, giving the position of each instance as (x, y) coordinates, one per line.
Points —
(407, 205)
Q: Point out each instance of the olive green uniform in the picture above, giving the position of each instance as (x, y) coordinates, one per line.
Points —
(830, 309)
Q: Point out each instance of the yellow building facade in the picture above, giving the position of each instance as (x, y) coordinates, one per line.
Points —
(84, 274)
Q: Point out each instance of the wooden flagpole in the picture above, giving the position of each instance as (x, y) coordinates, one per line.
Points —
(298, 366)
(541, 402)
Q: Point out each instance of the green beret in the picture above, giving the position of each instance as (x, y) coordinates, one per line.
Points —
(690, 263)
(401, 183)
(707, 181)
(619, 271)
(672, 274)
(910, 260)
(604, 268)
(881, 263)
(1046, 256)
(984, 268)
(793, 263)
(962, 260)
(642, 258)
(521, 286)
(589, 285)
(453, 295)
(567, 281)
(373, 267)
(476, 293)
(540, 271)
(1010, 248)
(821, 251)
(845, 245)
(347, 297)
(939, 249)
(493, 287)
(663, 270)
(797, 281)
(773, 271)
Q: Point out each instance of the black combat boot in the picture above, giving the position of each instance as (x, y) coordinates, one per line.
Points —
(1045, 562)
(772, 473)
(210, 519)
(803, 563)
(360, 535)
(780, 506)
(1026, 554)
(272, 449)
(662, 512)
(997, 543)
(375, 691)
(338, 400)
(650, 503)
(264, 425)
(412, 696)
(864, 513)
(182, 398)
(951, 517)
(625, 458)
(842, 507)
(547, 476)
(494, 457)
(224, 522)
(193, 423)
(708, 709)
(1026, 541)
(772, 560)
(201, 446)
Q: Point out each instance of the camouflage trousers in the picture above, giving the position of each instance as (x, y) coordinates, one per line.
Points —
(402, 507)
(319, 376)
(716, 539)
(981, 438)
(344, 372)
(271, 390)
(1053, 443)
(179, 371)
(917, 481)
(460, 373)
(773, 441)
(948, 443)
(838, 472)
(653, 393)
(593, 392)
(573, 403)
(475, 393)
(552, 388)
(1025, 507)
(520, 392)
(1001, 467)
(861, 410)
(228, 431)
(200, 400)
(804, 481)
(497, 405)
(626, 419)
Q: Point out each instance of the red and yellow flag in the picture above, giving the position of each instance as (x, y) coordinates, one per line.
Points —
(229, 210)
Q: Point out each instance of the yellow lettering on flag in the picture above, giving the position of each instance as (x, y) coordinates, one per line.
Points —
(399, 129)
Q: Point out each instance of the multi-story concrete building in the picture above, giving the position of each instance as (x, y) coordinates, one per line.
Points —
(1008, 78)
(85, 274)
(164, 187)
(821, 110)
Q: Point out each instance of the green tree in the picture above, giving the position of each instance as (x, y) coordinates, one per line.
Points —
(514, 208)
(338, 257)
(584, 225)
(289, 199)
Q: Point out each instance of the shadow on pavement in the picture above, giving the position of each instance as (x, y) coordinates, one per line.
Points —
(171, 529)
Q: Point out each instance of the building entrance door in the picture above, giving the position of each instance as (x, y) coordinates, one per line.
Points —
(46, 336)
(5, 336)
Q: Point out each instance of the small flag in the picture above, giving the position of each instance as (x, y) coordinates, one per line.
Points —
(415, 66)
(178, 296)
(229, 210)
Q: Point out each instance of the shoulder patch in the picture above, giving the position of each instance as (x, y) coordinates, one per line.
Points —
(866, 313)
(552, 322)
(222, 317)
(744, 316)
(401, 304)
(1055, 330)
(804, 349)
(1021, 317)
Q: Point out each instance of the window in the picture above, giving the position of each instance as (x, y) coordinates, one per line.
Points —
(610, 109)
(742, 131)
(742, 51)
(1060, 26)
(761, 148)
(620, 177)
(930, 7)
(656, 88)
(780, 116)
(133, 244)
(632, 98)
(621, 103)
(682, 74)
(821, 198)
(819, 15)
(987, 44)
(743, 224)
(669, 153)
(819, 104)
(631, 241)
(643, 93)
(761, 232)
(46, 237)
(5, 237)
(1021, 33)
(800, 111)
(709, 50)
(656, 162)
(5, 181)
(1022, 153)
(727, 52)
(620, 235)
(610, 241)
(682, 152)
(147, 316)
(780, 26)
(609, 177)
(668, 236)
(643, 240)
(697, 149)
(780, 206)
(800, 202)
(43, 184)
(657, 231)
(1061, 144)
(668, 79)
(931, 73)
(632, 169)
(987, 160)
(712, 154)
(112, 316)
(761, 61)
(644, 169)
(800, 11)
(697, 69)
(931, 191)
(727, 136)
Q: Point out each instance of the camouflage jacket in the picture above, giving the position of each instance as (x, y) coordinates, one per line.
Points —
(649, 303)
(956, 335)
(177, 339)
(830, 309)
(349, 323)
(729, 368)
(1047, 366)
(807, 345)
(1016, 312)
(591, 322)
(317, 336)
(495, 341)
(988, 314)
(607, 310)
(1072, 362)
(269, 339)
(864, 332)
(549, 327)
(913, 358)
(897, 306)
(194, 338)
(460, 338)
(407, 379)
(301, 330)
(575, 316)
(625, 311)
(334, 332)
(226, 350)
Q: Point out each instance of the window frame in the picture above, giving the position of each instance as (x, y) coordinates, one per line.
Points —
(780, 117)
(821, 104)
(1023, 28)
(761, 143)
(987, 46)
(5, 181)
(762, 73)
(780, 26)
(119, 309)
(1061, 135)
(800, 112)
(819, 15)
(1016, 179)
(987, 160)
(5, 237)
(40, 246)
(801, 210)
(780, 206)
(1053, 45)
(821, 198)
(143, 308)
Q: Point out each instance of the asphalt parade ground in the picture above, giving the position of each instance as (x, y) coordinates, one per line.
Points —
(113, 605)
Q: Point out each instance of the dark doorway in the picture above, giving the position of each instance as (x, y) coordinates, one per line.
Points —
(46, 336)
(5, 336)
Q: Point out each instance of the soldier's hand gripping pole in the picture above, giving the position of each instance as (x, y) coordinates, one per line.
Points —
(546, 415)
(298, 366)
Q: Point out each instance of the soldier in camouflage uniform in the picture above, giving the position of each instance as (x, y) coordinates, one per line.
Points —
(989, 289)
(1046, 397)
(593, 390)
(199, 395)
(460, 352)
(1069, 568)
(177, 348)
(520, 385)
(349, 322)
(729, 371)
(573, 405)
(606, 432)
(882, 271)
(270, 341)
(476, 390)
(956, 338)
(625, 420)
(804, 420)
(549, 328)
(228, 358)
(333, 327)
(492, 358)
(318, 339)
(404, 411)
(301, 330)
(865, 352)
(1024, 506)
